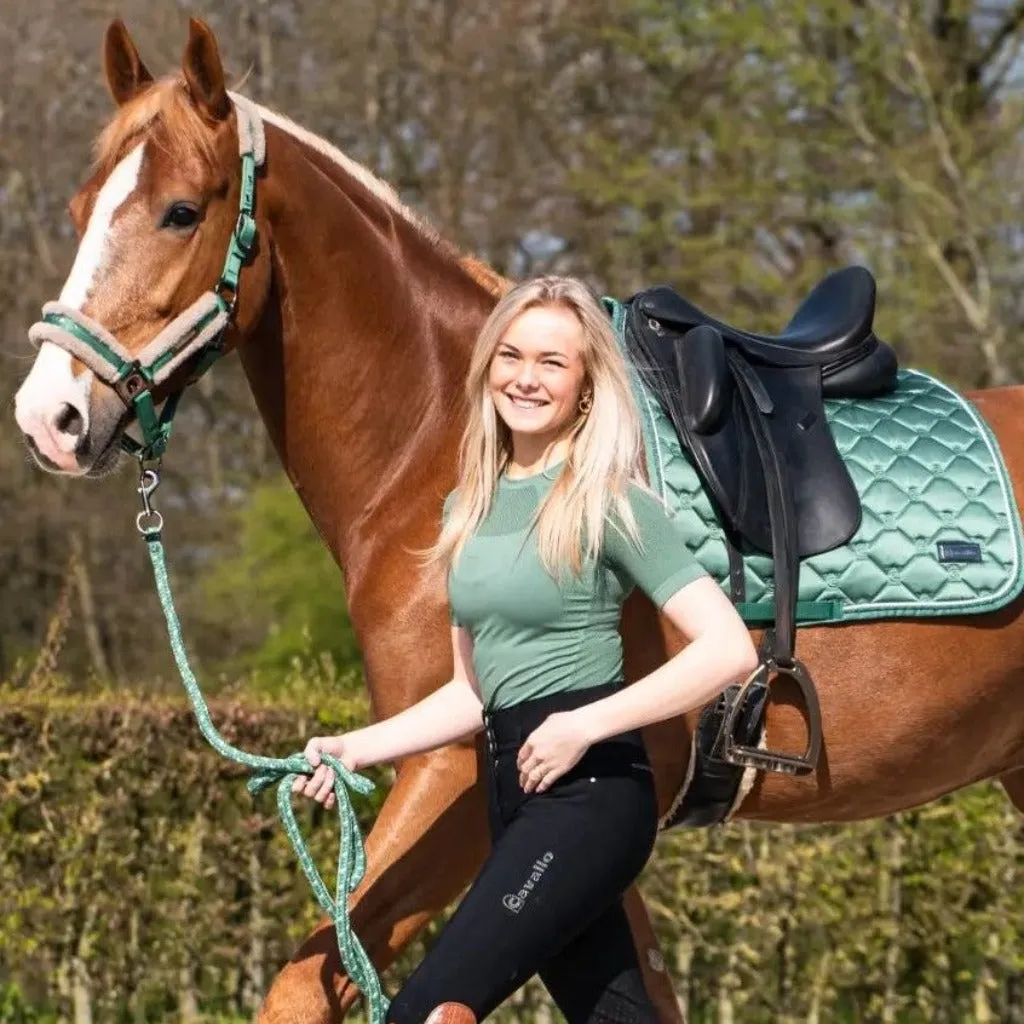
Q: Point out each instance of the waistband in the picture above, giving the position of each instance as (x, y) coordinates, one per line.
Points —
(506, 727)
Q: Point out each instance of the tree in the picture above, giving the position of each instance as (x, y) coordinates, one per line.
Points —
(279, 595)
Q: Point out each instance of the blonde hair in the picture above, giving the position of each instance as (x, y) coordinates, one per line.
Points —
(605, 443)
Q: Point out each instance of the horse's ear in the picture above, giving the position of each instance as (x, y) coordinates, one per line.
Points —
(126, 75)
(204, 72)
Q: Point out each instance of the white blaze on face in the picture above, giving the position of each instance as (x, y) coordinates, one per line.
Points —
(50, 386)
(95, 242)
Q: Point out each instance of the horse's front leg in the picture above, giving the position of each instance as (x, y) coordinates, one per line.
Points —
(426, 845)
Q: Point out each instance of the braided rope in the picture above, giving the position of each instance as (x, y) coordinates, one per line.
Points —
(268, 770)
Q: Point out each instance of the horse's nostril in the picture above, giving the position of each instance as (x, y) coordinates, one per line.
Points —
(69, 421)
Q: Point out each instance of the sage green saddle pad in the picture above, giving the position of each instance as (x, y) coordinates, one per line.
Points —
(940, 533)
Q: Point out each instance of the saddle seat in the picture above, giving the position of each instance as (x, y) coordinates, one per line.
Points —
(833, 320)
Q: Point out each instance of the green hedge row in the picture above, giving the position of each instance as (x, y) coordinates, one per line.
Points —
(140, 882)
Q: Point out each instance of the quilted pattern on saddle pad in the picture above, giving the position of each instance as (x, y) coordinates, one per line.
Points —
(940, 533)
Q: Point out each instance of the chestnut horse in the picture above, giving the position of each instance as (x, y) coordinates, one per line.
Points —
(354, 324)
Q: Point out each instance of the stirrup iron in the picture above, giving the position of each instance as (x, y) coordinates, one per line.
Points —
(726, 748)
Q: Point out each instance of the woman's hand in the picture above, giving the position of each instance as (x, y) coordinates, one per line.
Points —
(320, 785)
(555, 746)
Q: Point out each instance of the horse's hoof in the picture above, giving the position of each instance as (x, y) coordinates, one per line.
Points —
(451, 1013)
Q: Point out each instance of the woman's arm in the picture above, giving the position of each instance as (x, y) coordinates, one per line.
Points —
(719, 652)
(450, 713)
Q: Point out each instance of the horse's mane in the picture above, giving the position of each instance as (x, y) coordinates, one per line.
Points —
(167, 100)
(485, 275)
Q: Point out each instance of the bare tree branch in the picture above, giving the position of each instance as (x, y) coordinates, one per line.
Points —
(1012, 23)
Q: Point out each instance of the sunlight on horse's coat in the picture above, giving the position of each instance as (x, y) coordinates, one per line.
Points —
(481, 273)
(381, 189)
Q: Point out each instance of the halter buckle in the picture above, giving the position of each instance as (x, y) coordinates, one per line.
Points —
(228, 295)
(131, 384)
(245, 232)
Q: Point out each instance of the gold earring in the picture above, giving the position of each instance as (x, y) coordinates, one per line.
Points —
(586, 403)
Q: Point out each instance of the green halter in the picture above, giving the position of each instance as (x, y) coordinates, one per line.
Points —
(199, 329)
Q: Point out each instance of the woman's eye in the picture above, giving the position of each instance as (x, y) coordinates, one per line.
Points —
(180, 215)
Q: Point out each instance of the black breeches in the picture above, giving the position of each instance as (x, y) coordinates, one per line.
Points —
(548, 900)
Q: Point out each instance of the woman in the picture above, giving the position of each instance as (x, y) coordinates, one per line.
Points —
(548, 530)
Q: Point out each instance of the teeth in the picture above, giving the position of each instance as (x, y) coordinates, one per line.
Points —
(525, 403)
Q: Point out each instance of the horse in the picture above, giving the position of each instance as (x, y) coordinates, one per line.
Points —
(353, 320)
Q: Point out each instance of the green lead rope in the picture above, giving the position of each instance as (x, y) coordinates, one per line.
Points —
(283, 771)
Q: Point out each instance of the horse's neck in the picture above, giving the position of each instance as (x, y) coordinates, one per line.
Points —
(356, 369)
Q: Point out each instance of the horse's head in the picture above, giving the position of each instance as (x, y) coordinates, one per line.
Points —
(155, 221)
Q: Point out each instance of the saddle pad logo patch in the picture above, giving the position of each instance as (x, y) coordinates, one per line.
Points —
(958, 551)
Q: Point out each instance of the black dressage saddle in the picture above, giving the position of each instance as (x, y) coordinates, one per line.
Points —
(749, 409)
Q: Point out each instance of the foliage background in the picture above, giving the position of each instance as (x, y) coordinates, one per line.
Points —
(735, 150)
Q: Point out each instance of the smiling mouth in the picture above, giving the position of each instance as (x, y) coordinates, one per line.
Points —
(525, 403)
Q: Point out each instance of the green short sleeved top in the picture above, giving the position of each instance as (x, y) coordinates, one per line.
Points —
(533, 635)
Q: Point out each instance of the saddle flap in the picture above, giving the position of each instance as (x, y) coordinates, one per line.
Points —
(726, 449)
(822, 495)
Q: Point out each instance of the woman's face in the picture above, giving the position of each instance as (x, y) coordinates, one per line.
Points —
(537, 373)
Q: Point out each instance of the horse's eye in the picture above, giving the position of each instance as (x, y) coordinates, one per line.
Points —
(180, 215)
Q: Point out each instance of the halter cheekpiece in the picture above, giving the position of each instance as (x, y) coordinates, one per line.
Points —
(198, 329)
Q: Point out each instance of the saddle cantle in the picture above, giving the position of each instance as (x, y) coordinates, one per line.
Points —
(749, 409)
(832, 327)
